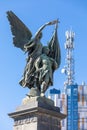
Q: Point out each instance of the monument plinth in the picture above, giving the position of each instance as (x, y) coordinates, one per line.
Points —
(39, 113)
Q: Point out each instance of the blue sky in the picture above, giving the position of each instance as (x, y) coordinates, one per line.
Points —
(71, 13)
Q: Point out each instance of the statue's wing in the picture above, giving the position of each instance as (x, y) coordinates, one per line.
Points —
(55, 48)
(20, 32)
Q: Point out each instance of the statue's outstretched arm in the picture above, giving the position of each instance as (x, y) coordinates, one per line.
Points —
(43, 26)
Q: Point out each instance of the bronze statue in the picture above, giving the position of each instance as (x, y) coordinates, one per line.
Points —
(42, 61)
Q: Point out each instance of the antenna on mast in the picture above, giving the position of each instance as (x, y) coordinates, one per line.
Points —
(69, 67)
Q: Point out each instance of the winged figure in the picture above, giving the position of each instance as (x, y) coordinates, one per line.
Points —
(42, 61)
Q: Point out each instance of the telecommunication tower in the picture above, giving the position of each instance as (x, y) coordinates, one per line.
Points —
(69, 67)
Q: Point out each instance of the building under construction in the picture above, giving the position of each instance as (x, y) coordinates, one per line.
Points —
(74, 104)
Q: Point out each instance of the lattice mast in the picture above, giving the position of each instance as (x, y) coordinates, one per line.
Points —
(69, 67)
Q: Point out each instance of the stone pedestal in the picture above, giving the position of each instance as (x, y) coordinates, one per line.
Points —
(39, 113)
